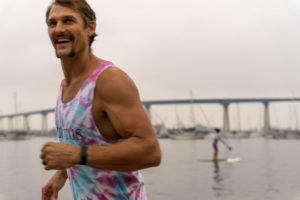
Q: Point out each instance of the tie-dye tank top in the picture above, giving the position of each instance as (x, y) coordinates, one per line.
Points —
(76, 126)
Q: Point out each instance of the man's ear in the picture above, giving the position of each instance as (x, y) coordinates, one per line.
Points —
(91, 28)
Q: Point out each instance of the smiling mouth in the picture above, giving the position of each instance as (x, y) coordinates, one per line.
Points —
(62, 41)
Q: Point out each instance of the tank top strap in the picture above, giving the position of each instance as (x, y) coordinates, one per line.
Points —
(87, 89)
(98, 70)
(61, 84)
(60, 93)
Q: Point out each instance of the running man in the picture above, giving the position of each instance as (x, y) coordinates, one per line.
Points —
(104, 132)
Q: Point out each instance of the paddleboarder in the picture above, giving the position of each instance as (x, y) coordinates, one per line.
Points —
(217, 138)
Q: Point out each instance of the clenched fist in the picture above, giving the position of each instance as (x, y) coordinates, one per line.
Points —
(59, 156)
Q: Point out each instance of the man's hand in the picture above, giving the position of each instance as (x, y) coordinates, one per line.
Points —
(51, 189)
(59, 156)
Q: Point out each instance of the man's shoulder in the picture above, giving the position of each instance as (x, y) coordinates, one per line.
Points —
(115, 83)
(112, 72)
(113, 76)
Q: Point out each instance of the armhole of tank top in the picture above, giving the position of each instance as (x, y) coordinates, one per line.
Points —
(93, 94)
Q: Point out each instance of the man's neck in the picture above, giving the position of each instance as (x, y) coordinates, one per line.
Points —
(78, 66)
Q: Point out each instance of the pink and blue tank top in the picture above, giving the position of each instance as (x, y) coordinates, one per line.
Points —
(76, 126)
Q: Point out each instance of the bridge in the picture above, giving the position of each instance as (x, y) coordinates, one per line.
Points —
(148, 104)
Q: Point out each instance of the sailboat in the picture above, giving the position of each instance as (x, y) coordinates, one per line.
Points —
(186, 133)
(16, 134)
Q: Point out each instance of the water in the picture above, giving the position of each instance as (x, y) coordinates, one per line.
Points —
(269, 170)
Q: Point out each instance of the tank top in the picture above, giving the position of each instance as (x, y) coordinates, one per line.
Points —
(76, 126)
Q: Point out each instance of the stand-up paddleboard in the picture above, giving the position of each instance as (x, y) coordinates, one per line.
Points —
(229, 160)
(233, 160)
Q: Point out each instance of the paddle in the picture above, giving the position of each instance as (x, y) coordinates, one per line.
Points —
(229, 147)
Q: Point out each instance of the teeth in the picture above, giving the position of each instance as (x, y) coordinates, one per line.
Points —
(62, 40)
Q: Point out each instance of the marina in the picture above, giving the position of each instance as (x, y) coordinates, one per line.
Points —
(180, 131)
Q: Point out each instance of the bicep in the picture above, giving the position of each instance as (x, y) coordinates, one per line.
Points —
(122, 104)
(129, 120)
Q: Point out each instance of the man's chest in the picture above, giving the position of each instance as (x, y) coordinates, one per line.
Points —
(70, 92)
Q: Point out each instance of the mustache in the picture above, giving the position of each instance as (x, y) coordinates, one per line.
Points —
(59, 36)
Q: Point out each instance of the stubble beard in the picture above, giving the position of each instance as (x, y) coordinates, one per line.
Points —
(71, 54)
(72, 51)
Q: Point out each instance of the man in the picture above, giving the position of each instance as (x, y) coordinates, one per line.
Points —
(104, 132)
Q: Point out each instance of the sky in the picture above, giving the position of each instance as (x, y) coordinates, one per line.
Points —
(214, 48)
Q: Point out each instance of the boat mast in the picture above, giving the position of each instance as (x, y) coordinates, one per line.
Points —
(238, 117)
(16, 109)
(295, 112)
(193, 120)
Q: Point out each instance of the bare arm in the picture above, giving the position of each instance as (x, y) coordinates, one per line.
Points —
(120, 100)
(51, 189)
(118, 97)
(221, 139)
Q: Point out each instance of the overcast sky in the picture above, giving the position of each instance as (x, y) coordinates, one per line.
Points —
(216, 48)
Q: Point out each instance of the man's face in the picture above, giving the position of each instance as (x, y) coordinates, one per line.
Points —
(67, 31)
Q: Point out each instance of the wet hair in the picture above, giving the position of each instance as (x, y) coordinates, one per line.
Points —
(217, 130)
(82, 7)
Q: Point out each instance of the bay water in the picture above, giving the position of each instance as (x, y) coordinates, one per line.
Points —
(269, 169)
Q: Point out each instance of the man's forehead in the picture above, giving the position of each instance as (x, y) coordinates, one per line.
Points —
(58, 11)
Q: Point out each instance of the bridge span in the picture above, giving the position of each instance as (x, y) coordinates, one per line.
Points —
(225, 102)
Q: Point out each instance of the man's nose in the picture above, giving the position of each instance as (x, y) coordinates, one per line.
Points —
(59, 28)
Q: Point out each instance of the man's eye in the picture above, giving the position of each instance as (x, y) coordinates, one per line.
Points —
(68, 20)
(51, 24)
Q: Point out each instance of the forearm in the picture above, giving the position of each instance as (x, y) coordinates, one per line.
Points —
(128, 155)
(61, 173)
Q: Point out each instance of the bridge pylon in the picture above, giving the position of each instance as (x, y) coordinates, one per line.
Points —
(148, 110)
(10, 124)
(44, 123)
(266, 127)
(226, 127)
(26, 123)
